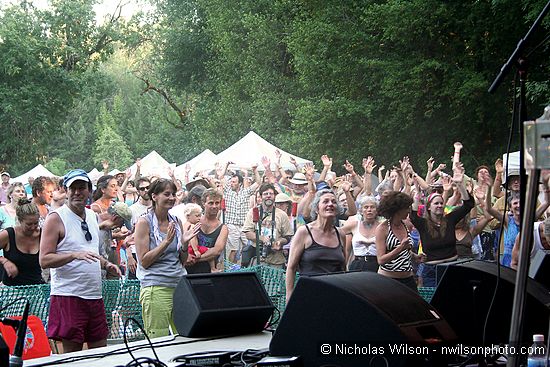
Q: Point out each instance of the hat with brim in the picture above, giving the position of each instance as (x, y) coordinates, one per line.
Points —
(76, 175)
(197, 190)
(6, 174)
(123, 211)
(511, 173)
(282, 198)
(298, 179)
(198, 181)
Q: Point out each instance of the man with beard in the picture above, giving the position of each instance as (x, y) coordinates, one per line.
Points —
(42, 194)
(212, 234)
(138, 209)
(274, 228)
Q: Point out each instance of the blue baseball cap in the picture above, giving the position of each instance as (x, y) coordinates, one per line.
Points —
(76, 175)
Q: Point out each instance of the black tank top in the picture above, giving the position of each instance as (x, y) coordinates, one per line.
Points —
(29, 269)
(319, 259)
(207, 240)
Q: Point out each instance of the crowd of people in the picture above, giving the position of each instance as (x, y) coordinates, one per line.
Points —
(73, 232)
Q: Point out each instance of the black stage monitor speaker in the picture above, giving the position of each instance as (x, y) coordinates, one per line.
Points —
(221, 304)
(540, 267)
(464, 295)
(354, 319)
(440, 268)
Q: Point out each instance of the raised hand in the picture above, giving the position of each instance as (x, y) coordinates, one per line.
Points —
(346, 185)
(309, 170)
(327, 161)
(348, 166)
(187, 168)
(105, 164)
(369, 164)
(266, 162)
(458, 172)
(456, 155)
(430, 163)
(293, 161)
(278, 155)
(447, 182)
(499, 167)
(170, 171)
(404, 164)
(128, 173)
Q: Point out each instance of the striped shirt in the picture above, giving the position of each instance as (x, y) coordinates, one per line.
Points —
(403, 261)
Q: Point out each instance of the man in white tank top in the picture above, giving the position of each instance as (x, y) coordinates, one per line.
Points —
(70, 248)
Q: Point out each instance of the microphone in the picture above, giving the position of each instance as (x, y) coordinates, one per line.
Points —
(255, 214)
(16, 360)
(294, 209)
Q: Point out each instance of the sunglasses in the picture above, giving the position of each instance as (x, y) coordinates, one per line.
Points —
(87, 233)
(144, 188)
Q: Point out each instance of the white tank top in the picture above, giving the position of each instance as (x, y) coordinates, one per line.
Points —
(362, 246)
(77, 278)
(537, 244)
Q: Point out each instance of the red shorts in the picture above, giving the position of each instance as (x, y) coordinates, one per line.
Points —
(77, 320)
(202, 250)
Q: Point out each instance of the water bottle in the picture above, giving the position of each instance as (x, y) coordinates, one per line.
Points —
(537, 353)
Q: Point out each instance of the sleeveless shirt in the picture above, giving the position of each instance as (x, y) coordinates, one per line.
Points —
(167, 270)
(320, 259)
(362, 246)
(403, 260)
(27, 264)
(77, 278)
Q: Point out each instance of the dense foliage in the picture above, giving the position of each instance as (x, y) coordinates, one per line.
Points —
(346, 78)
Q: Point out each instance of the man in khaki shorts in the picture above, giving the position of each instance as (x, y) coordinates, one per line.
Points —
(237, 204)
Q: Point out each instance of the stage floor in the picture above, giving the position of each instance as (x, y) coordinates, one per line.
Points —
(166, 347)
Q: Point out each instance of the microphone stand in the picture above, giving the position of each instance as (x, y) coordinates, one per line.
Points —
(527, 209)
(16, 360)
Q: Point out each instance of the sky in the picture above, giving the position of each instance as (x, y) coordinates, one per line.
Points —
(102, 9)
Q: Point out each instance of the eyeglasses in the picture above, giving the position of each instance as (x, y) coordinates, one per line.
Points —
(144, 188)
(87, 233)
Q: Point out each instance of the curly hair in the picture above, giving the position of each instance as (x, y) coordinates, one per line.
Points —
(394, 202)
(315, 203)
(40, 184)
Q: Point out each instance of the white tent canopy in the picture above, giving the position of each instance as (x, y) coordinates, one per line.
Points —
(39, 170)
(204, 161)
(153, 165)
(251, 148)
(95, 174)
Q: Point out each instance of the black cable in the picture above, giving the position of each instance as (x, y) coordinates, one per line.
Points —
(128, 320)
(506, 194)
(12, 302)
(123, 350)
(273, 322)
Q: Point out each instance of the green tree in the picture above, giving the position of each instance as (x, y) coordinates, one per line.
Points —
(43, 56)
(109, 145)
(57, 166)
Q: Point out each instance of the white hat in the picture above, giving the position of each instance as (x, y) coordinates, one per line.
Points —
(298, 179)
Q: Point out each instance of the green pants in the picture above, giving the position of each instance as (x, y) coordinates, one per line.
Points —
(156, 310)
